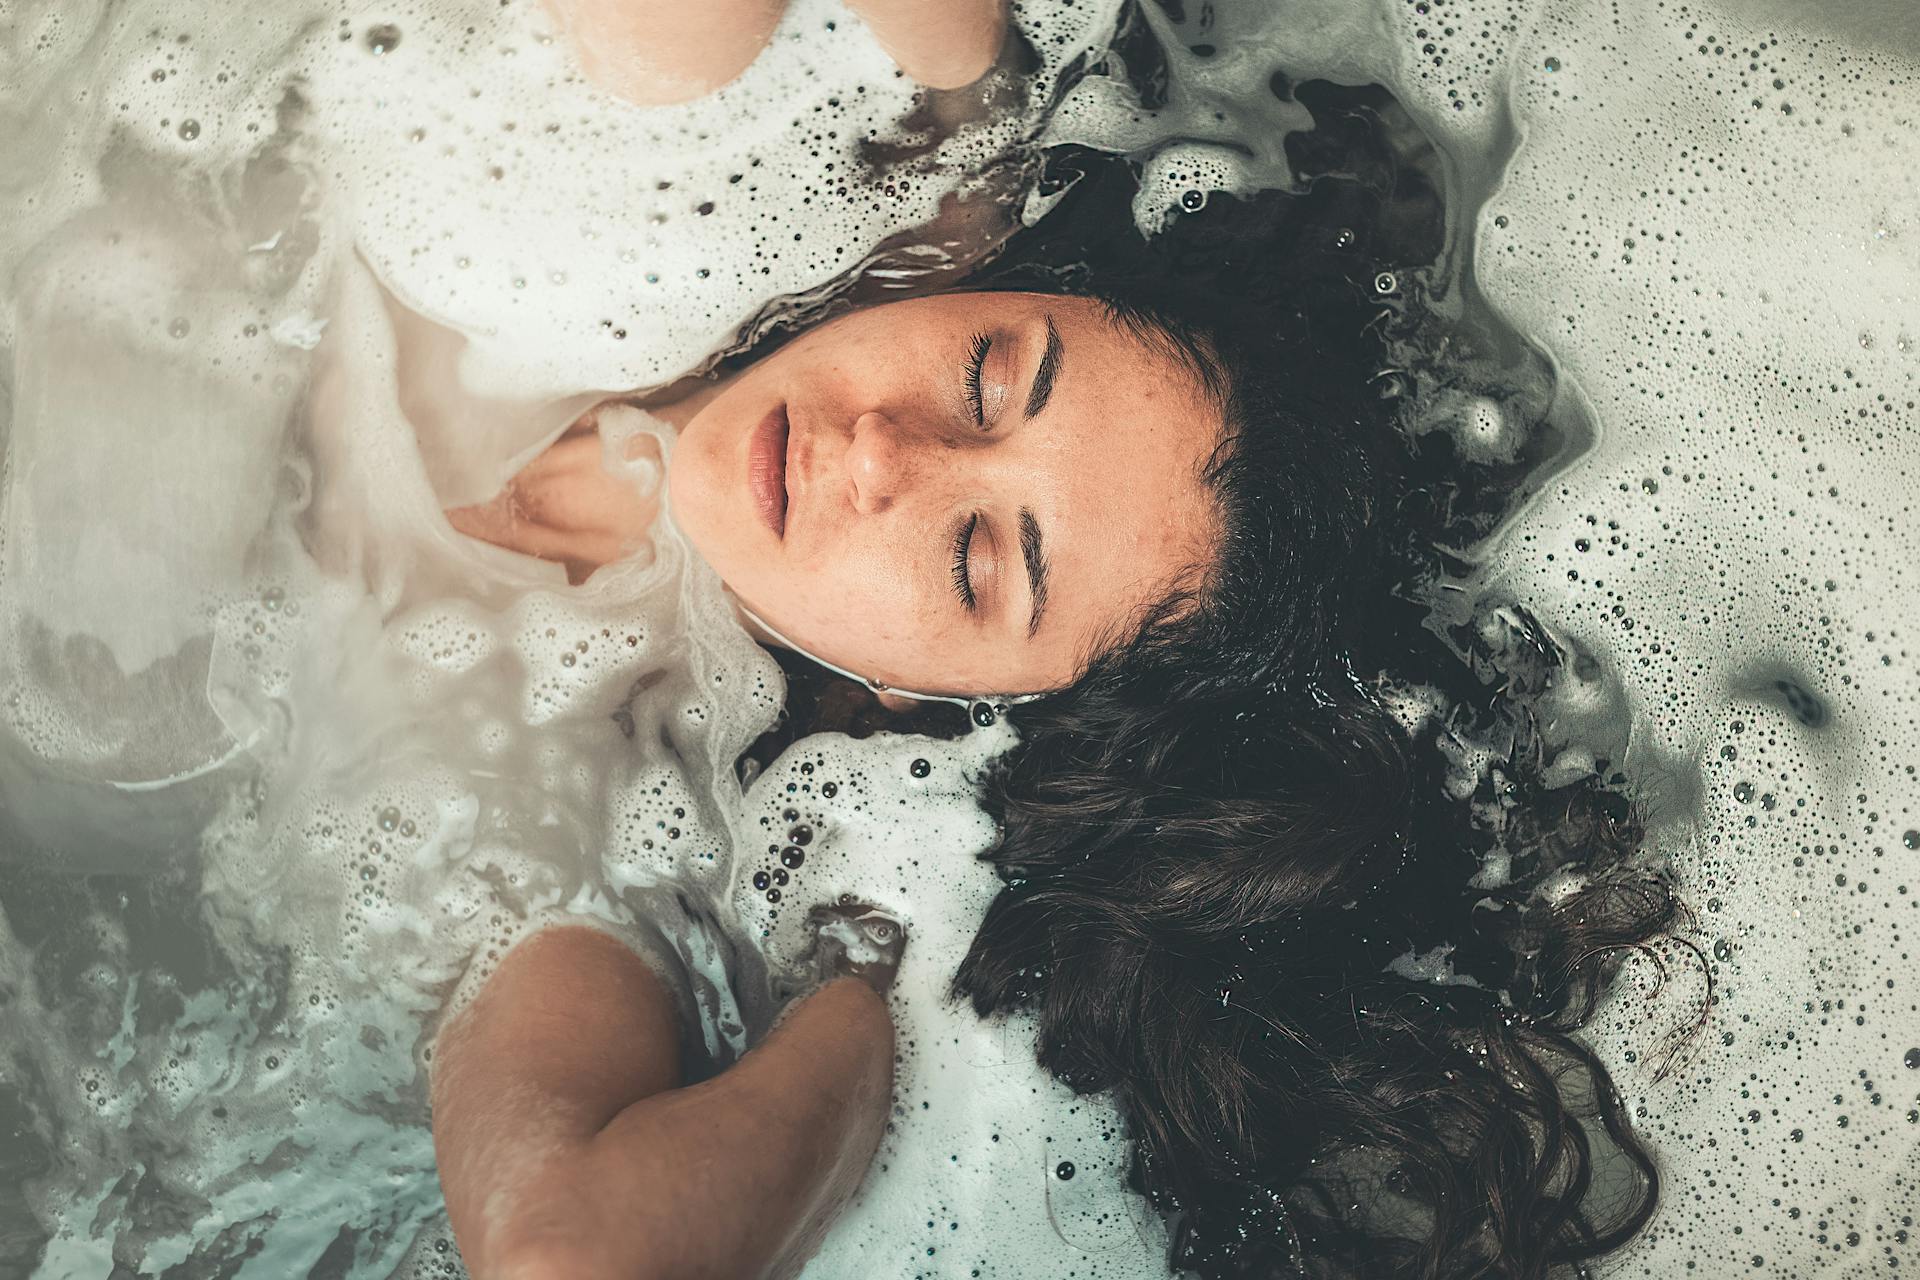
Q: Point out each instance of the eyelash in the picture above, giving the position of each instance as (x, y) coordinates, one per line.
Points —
(976, 400)
(976, 367)
(962, 541)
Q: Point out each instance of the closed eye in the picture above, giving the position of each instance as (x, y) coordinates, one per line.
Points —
(976, 370)
(962, 567)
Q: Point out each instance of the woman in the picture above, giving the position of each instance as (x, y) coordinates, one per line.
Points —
(1167, 517)
(991, 484)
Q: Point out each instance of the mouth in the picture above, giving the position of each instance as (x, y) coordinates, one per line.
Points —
(767, 470)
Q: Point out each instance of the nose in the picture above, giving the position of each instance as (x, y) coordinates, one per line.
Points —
(881, 464)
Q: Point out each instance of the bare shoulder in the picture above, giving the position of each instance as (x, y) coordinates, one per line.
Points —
(942, 46)
(656, 52)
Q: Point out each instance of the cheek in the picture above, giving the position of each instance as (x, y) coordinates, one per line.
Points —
(857, 592)
(859, 610)
(696, 496)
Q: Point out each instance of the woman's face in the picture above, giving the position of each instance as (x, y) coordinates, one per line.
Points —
(958, 494)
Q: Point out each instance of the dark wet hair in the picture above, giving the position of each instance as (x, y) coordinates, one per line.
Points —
(1217, 842)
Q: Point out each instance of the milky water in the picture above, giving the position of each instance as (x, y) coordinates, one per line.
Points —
(324, 759)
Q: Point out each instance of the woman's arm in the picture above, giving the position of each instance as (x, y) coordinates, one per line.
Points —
(566, 1149)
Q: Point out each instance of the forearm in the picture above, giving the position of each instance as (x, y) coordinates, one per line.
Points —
(746, 1170)
(568, 1032)
(566, 1150)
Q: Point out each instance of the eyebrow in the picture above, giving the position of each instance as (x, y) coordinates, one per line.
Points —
(1044, 376)
(1035, 555)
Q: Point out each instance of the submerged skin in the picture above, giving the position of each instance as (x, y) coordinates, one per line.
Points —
(657, 52)
(567, 1144)
(567, 1148)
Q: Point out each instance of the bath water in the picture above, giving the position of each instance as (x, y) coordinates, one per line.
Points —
(286, 765)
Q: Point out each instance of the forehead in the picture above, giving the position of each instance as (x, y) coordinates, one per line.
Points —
(1114, 469)
(1137, 431)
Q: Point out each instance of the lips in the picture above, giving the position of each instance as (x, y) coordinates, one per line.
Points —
(767, 470)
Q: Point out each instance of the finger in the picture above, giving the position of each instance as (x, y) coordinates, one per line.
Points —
(570, 453)
(568, 488)
(581, 450)
(500, 523)
(642, 446)
(943, 44)
(590, 501)
(485, 521)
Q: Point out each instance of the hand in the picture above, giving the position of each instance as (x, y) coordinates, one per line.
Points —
(564, 506)
(653, 52)
(854, 940)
